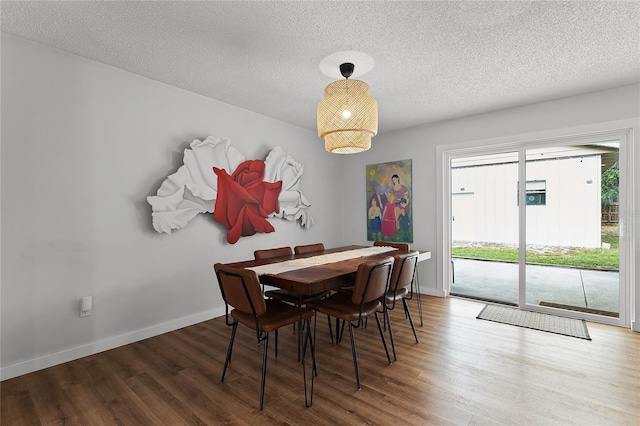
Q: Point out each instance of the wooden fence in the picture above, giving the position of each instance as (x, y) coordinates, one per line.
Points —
(611, 214)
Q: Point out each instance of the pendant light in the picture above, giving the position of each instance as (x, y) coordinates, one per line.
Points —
(347, 116)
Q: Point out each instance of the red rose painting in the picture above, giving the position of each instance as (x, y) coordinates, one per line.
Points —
(244, 200)
(250, 191)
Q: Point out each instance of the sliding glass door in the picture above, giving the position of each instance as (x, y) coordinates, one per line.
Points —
(538, 225)
(572, 239)
(484, 227)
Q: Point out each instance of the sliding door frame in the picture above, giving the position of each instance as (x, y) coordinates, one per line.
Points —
(445, 153)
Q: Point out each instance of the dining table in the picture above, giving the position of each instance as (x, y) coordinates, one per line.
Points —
(317, 272)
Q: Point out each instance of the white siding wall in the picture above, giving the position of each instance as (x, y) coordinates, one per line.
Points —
(571, 216)
(484, 203)
(490, 213)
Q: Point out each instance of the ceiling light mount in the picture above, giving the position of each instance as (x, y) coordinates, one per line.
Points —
(346, 69)
(330, 65)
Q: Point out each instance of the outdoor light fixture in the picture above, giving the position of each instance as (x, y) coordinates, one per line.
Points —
(347, 116)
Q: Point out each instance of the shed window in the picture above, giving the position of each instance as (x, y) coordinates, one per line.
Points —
(536, 193)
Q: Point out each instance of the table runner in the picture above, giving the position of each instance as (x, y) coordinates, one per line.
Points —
(323, 259)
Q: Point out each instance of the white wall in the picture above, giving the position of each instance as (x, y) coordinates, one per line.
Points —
(83, 145)
(605, 110)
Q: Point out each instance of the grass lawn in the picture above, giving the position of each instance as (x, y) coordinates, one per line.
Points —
(587, 258)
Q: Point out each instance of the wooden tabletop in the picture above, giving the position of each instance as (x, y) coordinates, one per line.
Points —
(315, 279)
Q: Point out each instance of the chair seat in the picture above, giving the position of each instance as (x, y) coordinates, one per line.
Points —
(340, 305)
(278, 315)
(391, 297)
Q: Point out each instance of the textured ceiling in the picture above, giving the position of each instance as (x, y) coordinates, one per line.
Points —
(433, 60)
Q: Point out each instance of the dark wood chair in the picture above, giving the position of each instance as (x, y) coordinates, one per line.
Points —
(371, 285)
(288, 296)
(274, 252)
(399, 246)
(309, 248)
(405, 246)
(291, 296)
(404, 268)
(240, 289)
(271, 253)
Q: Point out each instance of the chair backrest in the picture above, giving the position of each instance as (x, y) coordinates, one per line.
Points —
(372, 280)
(399, 246)
(404, 267)
(308, 248)
(240, 289)
(274, 252)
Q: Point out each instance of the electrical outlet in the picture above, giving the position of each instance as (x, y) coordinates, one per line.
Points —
(86, 306)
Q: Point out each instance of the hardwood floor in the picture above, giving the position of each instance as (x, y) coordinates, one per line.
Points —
(464, 371)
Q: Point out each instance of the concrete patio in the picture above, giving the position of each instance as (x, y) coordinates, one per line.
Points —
(552, 284)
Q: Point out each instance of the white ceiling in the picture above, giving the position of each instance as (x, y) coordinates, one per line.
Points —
(433, 60)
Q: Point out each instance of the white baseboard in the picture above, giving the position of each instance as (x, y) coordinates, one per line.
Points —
(46, 361)
(432, 292)
(635, 326)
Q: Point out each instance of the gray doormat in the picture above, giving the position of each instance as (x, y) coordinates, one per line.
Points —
(535, 320)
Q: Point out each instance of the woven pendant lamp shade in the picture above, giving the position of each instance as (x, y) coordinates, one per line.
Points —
(347, 117)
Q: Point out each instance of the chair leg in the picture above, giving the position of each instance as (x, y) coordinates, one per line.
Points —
(330, 329)
(413, 328)
(393, 343)
(264, 368)
(338, 334)
(355, 357)
(229, 349)
(299, 336)
(299, 326)
(384, 342)
(276, 343)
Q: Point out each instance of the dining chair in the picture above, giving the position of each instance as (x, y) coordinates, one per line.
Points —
(399, 246)
(404, 268)
(271, 253)
(288, 296)
(405, 246)
(274, 252)
(371, 285)
(308, 248)
(240, 289)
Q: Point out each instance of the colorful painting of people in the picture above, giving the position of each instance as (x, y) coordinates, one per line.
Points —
(388, 202)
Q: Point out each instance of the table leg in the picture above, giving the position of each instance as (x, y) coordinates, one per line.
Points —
(416, 280)
(299, 326)
(313, 340)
